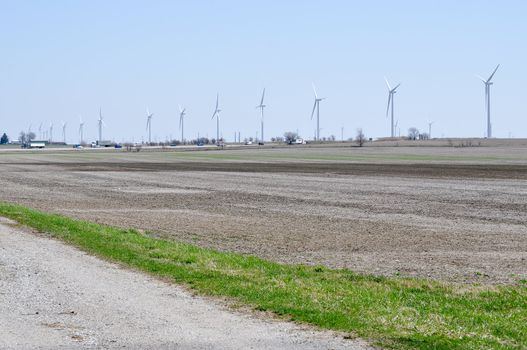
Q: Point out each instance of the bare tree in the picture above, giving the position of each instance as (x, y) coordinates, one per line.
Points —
(413, 133)
(25, 138)
(360, 138)
(290, 136)
(424, 136)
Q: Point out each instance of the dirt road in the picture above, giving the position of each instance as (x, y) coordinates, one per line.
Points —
(53, 296)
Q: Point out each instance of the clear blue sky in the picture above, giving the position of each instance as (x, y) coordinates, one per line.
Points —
(62, 59)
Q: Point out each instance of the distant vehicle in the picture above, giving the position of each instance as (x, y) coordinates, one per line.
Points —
(118, 146)
(105, 143)
(93, 145)
(248, 142)
(77, 146)
(260, 143)
(298, 141)
(199, 144)
(36, 144)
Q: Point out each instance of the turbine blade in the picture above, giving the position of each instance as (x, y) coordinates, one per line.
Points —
(217, 101)
(315, 90)
(395, 88)
(494, 72)
(388, 84)
(481, 78)
(262, 100)
(313, 112)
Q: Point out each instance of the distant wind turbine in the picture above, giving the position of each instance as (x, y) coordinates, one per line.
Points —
(182, 113)
(216, 114)
(101, 124)
(40, 132)
(262, 106)
(51, 132)
(430, 129)
(149, 124)
(81, 130)
(488, 83)
(64, 124)
(317, 107)
(391, 93)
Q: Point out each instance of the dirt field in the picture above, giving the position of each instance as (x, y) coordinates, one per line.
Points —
(456, 214)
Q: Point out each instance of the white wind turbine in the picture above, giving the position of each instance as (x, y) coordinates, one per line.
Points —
(317, 107)
(81, 130)
(182, 113)
(262, 106)
(64, 124)
(40, 132)
(101, 124)
(430, 129)
(216, 114)
(391, 93)
(488, 83)
(51, 132)
(149, 124)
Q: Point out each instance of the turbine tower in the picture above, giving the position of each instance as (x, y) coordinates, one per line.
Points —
(182, 113)
(81, 130)
(40, 132)
(216, 114)
(391, 93)
(101, 123)
(488, 83)
(262, 106)
(430, 129)
(51, 133)
(149, 124)
(64, 124)
(317, 107)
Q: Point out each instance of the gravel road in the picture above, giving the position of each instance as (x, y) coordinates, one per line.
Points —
(53, 296)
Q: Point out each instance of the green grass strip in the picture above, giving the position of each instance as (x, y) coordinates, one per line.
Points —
(396, 313)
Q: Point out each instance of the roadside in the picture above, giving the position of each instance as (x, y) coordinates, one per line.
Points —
(55, 296)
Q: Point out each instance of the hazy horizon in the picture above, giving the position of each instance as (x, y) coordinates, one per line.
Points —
(63, 59)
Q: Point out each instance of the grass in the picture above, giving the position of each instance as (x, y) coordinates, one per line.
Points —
(398, 313)
(283, 154)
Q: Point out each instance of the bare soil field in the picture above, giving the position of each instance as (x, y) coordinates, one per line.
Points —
(454, 214)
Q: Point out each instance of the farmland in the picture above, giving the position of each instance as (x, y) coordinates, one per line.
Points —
(444, 213)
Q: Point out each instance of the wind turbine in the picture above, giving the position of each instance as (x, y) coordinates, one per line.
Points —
(216, 114)
(488, 83)
(149, 124)
(262, 106)
(64, 124)
(430, 129)
(182, 113)
(40, 132)
(391, 93)
(51, 133)
(81, 130)
(317, 107)
(395, 127)
(101, 123)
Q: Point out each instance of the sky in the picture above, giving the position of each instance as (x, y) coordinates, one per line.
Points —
(63, 59)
